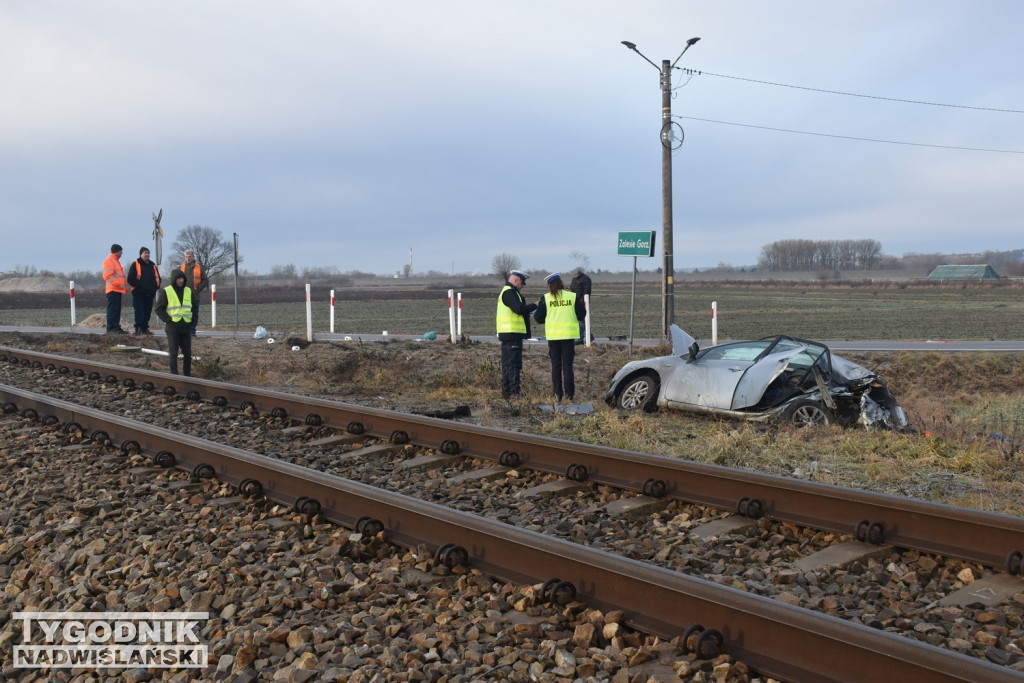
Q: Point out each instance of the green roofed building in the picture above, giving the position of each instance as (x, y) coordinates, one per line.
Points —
(980, 272)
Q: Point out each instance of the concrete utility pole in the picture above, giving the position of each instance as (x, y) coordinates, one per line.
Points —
(668, 144)
(668, 264)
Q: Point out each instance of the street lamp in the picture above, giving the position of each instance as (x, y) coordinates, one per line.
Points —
(668, 272)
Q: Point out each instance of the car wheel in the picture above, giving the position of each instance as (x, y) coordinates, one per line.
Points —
(639, 392)
(807, 413)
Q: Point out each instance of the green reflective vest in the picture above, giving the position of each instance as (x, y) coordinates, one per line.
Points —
(506, 319)
(560, 320)
(179, 310)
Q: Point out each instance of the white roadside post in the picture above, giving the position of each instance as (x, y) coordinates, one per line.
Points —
(213, 306)
(71, 289)
(332, 311)
(586, 325)
(309, 316)
(714, 323)
(451, 314)
(459, 326)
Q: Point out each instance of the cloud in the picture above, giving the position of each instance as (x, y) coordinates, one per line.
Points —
(350, 132)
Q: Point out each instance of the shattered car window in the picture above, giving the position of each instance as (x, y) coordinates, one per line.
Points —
(745, 351)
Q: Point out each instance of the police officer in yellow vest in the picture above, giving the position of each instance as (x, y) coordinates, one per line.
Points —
(174, 307)
(561, 311)
(513, 322)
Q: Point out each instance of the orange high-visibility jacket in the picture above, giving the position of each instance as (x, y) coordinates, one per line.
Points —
(113, 273)
(138, 274)
(195, 278)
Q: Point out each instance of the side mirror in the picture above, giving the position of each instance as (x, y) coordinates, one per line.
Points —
(693, 352)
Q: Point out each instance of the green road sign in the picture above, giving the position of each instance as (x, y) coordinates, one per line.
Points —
(636, 243)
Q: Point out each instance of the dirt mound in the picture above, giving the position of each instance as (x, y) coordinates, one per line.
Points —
(33, 284)
(96, 320)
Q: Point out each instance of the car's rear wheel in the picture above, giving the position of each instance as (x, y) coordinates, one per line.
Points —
(641, 392)
(807, 413)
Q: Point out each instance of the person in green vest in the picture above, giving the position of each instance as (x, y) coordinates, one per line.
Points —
(512, 320)
(174, 307)
(560, 311)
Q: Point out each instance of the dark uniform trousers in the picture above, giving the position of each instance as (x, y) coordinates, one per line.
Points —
(511, 367)
(563, 353)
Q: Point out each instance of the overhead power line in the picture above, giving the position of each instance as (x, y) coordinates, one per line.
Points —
(694, 72)
(850, 137)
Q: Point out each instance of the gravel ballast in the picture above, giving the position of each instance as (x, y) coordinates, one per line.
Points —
(288, 598)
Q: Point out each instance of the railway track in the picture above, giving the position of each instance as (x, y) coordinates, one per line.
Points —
(622, 485)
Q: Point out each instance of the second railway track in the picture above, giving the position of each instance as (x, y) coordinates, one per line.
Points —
(528, 481)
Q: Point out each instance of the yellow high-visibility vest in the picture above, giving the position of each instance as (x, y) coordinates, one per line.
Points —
(560, 320)
(506, 319)
(176, 309)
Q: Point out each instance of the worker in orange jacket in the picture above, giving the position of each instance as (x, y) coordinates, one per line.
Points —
(117, 286)
(195, 279)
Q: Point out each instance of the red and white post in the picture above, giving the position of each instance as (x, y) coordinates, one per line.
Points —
(332, 311)
(459, 321)
(71, 289)
(213, 305)
(451, 314)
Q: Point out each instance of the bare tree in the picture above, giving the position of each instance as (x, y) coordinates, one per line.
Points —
(503, 264)
(579, 259)
(213, 252)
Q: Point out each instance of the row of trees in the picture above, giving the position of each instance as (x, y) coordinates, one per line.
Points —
(805, 255)
(215, 253)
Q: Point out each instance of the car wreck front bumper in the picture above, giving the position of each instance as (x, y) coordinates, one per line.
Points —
(874, 414)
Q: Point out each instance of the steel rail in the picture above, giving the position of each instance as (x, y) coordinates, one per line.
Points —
(988, 538)
(774, 638)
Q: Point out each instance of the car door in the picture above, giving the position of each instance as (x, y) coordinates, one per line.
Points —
(711, 380)
(751, 386)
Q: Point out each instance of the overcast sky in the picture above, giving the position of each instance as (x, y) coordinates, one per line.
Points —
(343, 133)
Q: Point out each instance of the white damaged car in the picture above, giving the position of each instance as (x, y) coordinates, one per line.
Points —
(779, 378)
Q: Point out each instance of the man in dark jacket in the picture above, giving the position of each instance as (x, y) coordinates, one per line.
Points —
(579, 286)
(144, 279)
(513, 323)
(174, 307)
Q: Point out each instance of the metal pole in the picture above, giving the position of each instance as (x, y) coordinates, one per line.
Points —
(632, 303)
(236, 281)
(668, 273)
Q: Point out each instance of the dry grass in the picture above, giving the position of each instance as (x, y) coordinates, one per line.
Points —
(966, 408)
